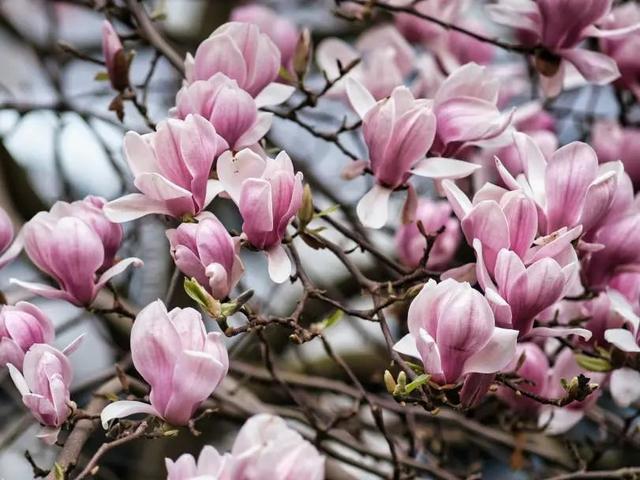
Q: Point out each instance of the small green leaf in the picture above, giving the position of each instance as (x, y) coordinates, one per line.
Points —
(58, 471)
(202, 297)
(331, 319)
(101, 77)
(418, 382)
(327, 211)
(593, 364)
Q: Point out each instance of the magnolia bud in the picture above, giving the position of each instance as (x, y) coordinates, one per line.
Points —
(302, 54)
(389, 382)
(305, 214)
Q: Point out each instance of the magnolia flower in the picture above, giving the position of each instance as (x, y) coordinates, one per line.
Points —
(22, 326)
(206, 252)
(613, 142)
(182, 363)
(522, 292)
(398, 131)
(385, 60)
(231, 110)
(557, 420)
(9, 247)
(411, 244)
(171, 168)
(419, 30)
(115, 58)
(44, 386)
(624, 49)
(264, 449)
(268, 193)
(75, 244)
(283, 33)
(243, 53)
(531, 364)
(466, 108)
(452, 330)
(569, 189)
(556, 29)
(210, 465)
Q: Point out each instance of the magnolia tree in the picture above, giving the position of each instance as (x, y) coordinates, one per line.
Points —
(404, 245)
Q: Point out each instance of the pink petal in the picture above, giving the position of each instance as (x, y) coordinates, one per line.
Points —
(361, 100)
(133, 206)
(125, 408)
(441, 168)
(496, 354)
(278, 263)
(624, 385)
(595, 67)
(373, 207)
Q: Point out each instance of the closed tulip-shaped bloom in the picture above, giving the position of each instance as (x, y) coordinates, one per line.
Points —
(283, 33)
(411, 244)
(268, 193)
(209, 466)
(115, 57)
(9, 249)
(73, 244)
(22, 326)
(452, 330)
(522, 291)
(241, 52)
(398, 132)
(231, 110)
(44, 386)
(206, 252)
(181, 362)
(533, 367)
(266, 448)
(171, 168)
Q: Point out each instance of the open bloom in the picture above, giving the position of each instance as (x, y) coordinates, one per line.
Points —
(269, 194)
(386, 59)
(245, 54)
(115, 57)
(279, 29)
(557, 29)
(613, 142)
(231, 110)
(266, 448)
(206, 252)
(75, 244)
(44, 386)
(171, 168)
(569, 189)
(398, 132)
(182, 363)
(452, 330)
(533, 367)
(9, 247)
(22, 326)
(411, 244)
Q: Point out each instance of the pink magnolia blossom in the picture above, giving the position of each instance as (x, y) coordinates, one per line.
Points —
(559, 27)
(569, 188)
(182, 363)
(452, 330)
(466, 108)
(398, 132)
(44, 386)
(419, 30)
(557, 420)
(268, 193)
(10, 247)
(613, 142)
(624, 49)
(115, 57)
(206, 252)
(531, 364)
(171, 168)
(411, 244)
(74, 244)
(232, 111)
(266, 448)
(245, 54)
(386, 60)
(283, 33)
(22, 326)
